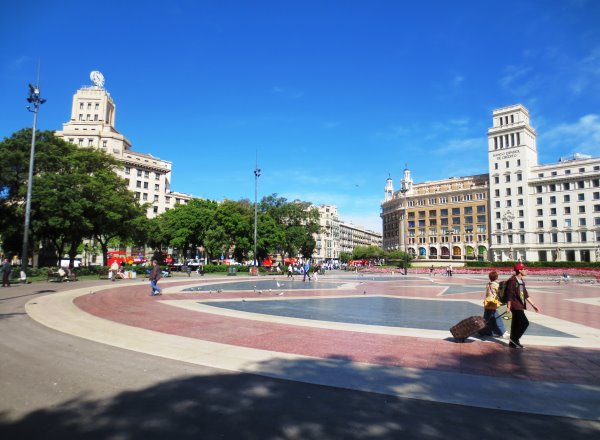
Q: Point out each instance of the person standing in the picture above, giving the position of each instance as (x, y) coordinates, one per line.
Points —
(490, 305)
(6, 269)
(517, 304)
(291, 271)
(155, 275)
(431, 271)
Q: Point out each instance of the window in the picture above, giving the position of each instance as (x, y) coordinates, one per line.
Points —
(506, 164)
(80, 117)
(146, 174)
(583, 237)
(156, 187)
(156, 176)
(81, 106)
(554, 237)
(481, 219)
(90, 142)
(580, 184)
(580, 197)
(552, 211)
(138, 184)
(81, 142)
(520, 202)
(567, 210)
(127, 170)
(156, 198)
(581, 209)
(540, 223)
(508, 203)
(496, 179)
(507, 178)
(540, 212)
(538, 189)
(540, 238)
(104, 144)
(596, 221)
(519, 177)
(520, 190)
(139, 173)
(97, 107)
(567, 223)
(95, 117)
(456, 220)
(167, 200)
(443, 212)
(552, 199)
(567, 172)
(497, 193)
(497, 214)
(497, 203)
(521, 213)
(455, 211)
(145, 185)
(596, 196)
(155, 209)
(552, 188)
(508, 192)
(496, 164)
(566, 198)
(521, 225)
(144, 196)
(582, 222)
(568, 237)
(538, 201)
(480, 209)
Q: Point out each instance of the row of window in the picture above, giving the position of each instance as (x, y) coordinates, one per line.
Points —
(568, 223)
(142, 173)
(444, 200)
(568, 172)
(507, 140)
(89, 105)
(552, 237)
(88, 117)
(566, 186)
(90, 142)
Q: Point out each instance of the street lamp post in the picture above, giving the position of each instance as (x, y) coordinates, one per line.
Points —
(35, 101)
(256, 176)
(404, 190)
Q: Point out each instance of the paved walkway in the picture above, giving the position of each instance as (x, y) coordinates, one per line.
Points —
(341, 331)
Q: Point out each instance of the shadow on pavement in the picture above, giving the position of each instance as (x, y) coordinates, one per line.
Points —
(245, 406)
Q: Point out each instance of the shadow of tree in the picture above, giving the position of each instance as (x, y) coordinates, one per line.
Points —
(247, 406)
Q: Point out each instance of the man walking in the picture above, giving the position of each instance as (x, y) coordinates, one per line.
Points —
(154, 277)
(517, 303)
(306, 271)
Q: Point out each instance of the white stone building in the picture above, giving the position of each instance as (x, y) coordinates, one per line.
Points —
(328, 240)
(92, 125)
(539, 212)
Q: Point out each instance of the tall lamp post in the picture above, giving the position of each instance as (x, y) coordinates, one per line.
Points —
(404, 190)
(256, 176)
(35, 101)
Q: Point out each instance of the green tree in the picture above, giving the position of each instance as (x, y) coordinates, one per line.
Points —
(75, 192)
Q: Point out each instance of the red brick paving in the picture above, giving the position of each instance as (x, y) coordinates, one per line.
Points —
(131, 305)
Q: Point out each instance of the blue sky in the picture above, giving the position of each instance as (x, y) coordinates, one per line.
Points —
(333, 96)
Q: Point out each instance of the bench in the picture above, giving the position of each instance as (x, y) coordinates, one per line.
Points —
(54, 276)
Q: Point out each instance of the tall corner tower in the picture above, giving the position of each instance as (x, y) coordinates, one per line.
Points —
(512, 153)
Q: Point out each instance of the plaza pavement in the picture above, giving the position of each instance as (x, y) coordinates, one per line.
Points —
(261, 326)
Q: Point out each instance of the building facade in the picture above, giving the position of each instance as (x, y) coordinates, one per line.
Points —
(519, 211)
(439, 220)
(92, 125)
(540, 212)
(352, 236)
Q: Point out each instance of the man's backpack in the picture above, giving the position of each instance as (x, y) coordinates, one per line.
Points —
(502, 293)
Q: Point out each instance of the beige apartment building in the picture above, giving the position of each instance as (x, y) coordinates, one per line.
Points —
(439, 220)
(92, 125)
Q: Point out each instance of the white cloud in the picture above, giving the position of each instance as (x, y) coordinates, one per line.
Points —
(582, 136)
(18, 63)
(588, 73)
(461, 146)
(287, 93)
